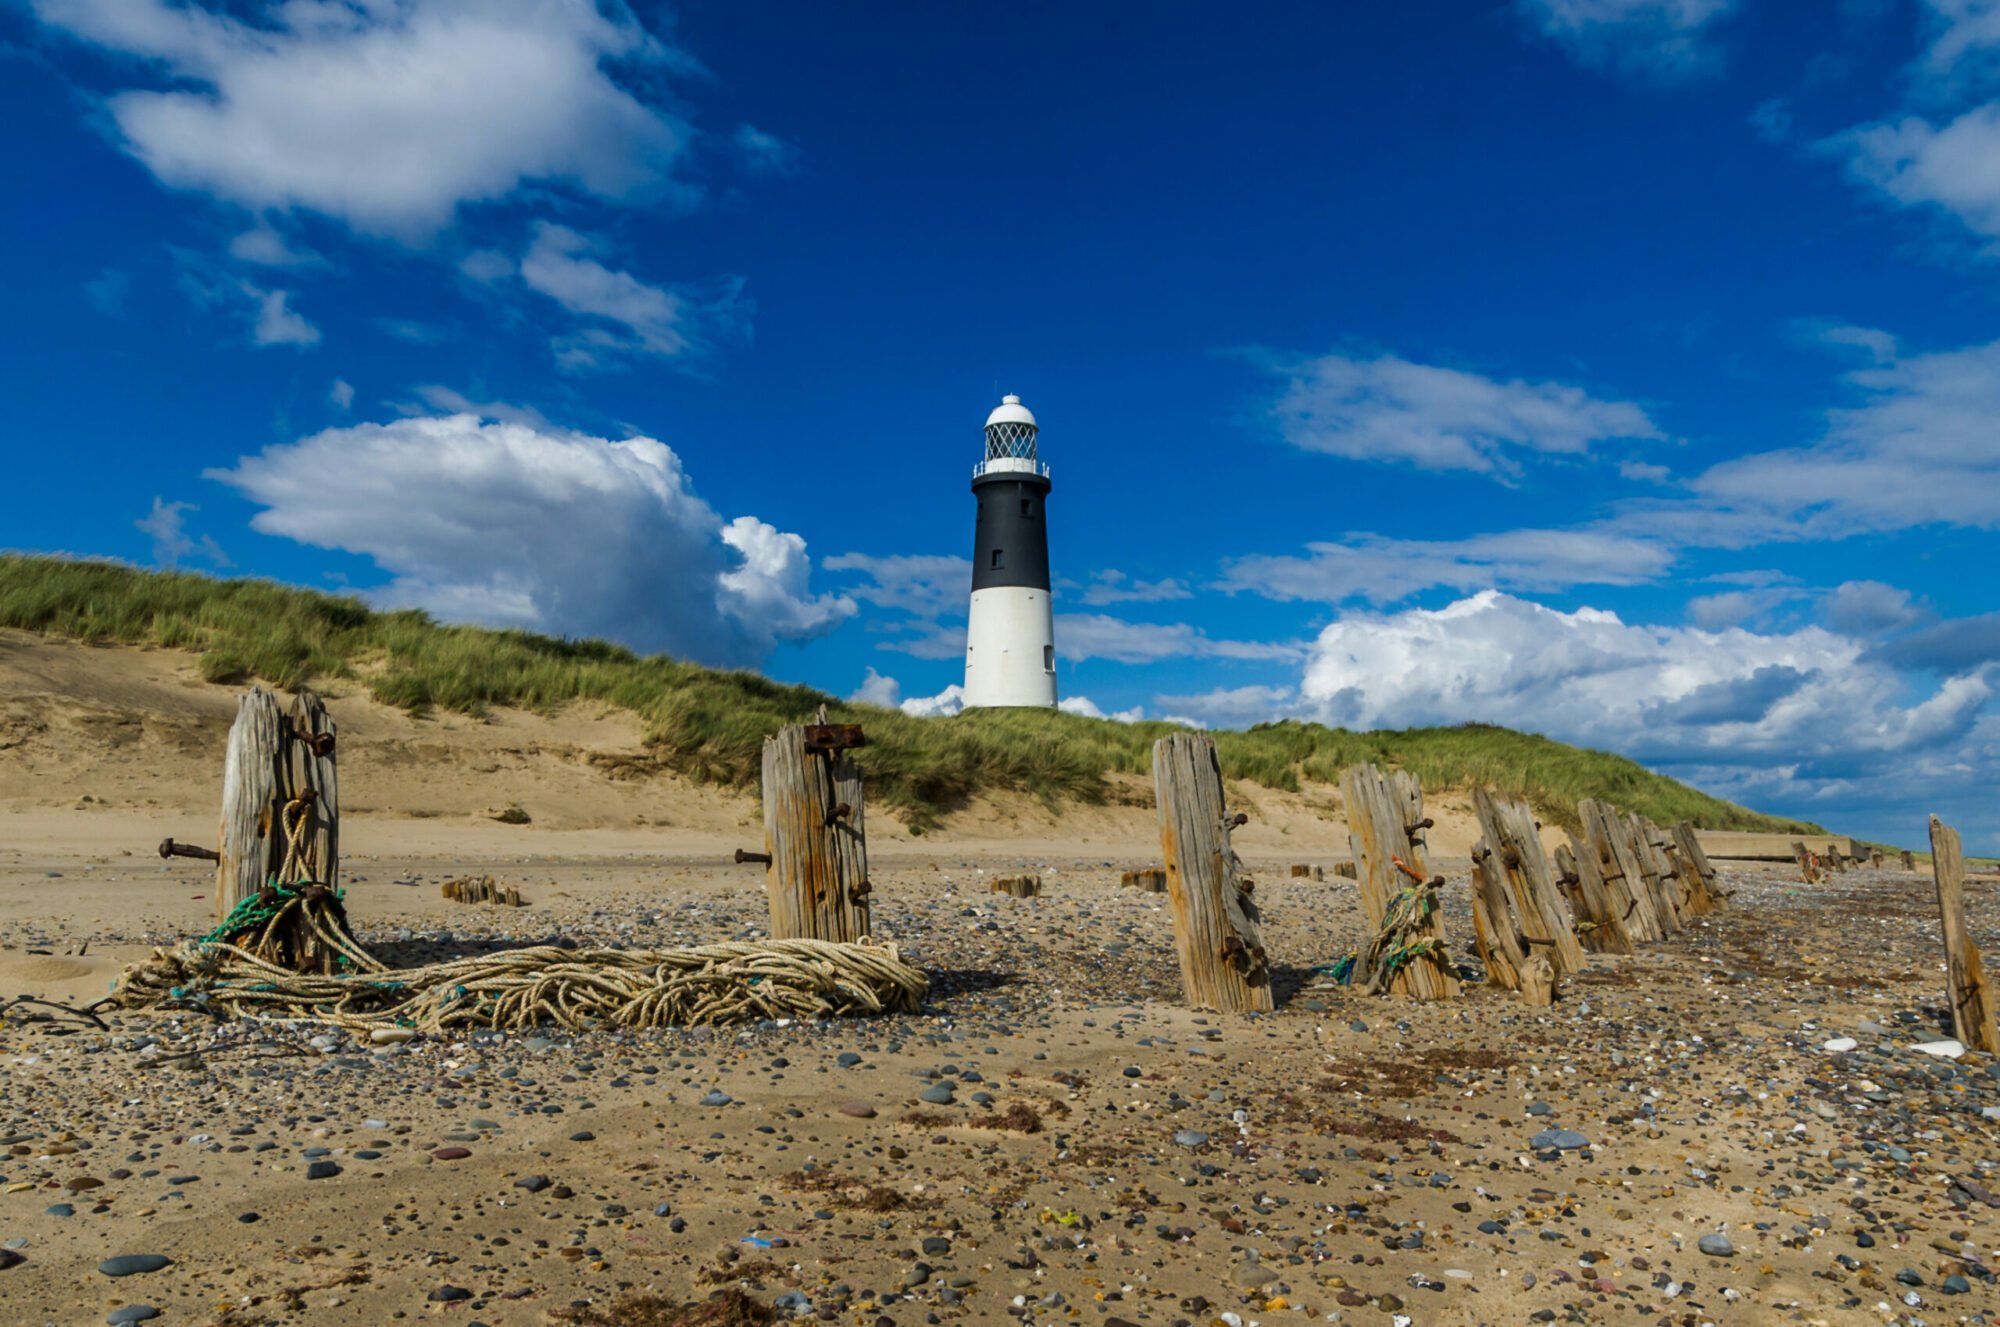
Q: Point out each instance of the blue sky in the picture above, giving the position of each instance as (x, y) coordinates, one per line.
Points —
(1624, 370)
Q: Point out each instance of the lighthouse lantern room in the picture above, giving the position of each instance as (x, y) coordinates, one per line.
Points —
(1010, 642)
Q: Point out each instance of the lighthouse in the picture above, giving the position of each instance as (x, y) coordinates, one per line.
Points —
(1010, 642)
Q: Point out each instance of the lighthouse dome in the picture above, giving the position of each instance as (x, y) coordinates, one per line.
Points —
(1011, 411)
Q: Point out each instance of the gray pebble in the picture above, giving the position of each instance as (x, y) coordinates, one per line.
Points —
(133, 1264)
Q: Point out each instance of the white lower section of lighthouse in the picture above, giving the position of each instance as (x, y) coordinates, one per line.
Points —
(1010, 648)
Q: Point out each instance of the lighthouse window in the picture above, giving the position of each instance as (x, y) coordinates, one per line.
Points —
(996, 559)
(1026, 508)
(1048, 658)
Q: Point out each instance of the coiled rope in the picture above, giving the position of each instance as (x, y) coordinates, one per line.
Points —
(523, 988)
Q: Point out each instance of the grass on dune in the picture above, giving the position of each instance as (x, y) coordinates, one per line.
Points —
(710, 724)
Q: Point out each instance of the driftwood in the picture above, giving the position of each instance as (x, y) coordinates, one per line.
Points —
(1386, 824)
(1223, 966)
(1151, 880)
(1969, 990)
(1514, 837)
(1020, 886)
(814, 835)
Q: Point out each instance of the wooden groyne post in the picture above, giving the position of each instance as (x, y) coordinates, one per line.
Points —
(1514, 839)
(279, 784)
(815, 846)
(1386, 824)
(1223, 966)
(1969, 990)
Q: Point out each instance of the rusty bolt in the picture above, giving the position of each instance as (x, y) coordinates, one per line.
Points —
(1238, 820)
(168, 848)
(762, 858)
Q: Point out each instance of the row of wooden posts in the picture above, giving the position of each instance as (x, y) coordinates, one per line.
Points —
(1620, 883)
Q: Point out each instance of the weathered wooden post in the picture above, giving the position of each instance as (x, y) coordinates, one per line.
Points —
(253, 772)
(1692, 861)
(1386, 824)
(1659, 886)
(1600, 914)
(1969, 990)
(1502, 947)
(311, 788)
(1909, 860)
(1808, 868)
(815, 849)
(1515, 838)
(1223, 966)
(1606, 841)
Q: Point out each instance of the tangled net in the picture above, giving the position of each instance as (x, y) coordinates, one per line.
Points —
(1400, 942)
(519, 988)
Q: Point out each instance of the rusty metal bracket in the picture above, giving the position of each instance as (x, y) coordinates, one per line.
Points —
(761, 858)
(828, 738)
(168, 848)
(841, 812)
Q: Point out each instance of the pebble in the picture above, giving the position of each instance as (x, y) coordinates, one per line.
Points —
(1190, 1138)
(860, 1110)
(134, 1264)
(717, 1098)
(941, 1095)
(322, 1170)
(532, 1183)
(118, 1317)
(1563, 1140)
(449, 1294)
(1716, 1246)
(451, 1154)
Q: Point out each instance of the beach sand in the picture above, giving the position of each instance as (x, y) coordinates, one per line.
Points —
(1104, 1156)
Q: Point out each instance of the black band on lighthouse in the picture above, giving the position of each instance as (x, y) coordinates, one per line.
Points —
(1010, 542)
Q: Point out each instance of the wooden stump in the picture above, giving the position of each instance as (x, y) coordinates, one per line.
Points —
(1909, 860)
(1386, 824)
(1538, 982)
(1215, 922)
(1968, 990)
(1151, 880)
(1523, 867)
(1607, 844)
(481, 889)
(814, 833)
(255, 768)
(1020, 886)
(1346, 870)
(1808, 865)
(1658, 885)
(1600, 915)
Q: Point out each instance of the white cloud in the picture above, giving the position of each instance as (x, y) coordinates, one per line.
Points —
(1863, 608)
(1231, 707)
(876, 689)
(924, 585)
(1389, 409)
(341, 394)
(1662, 39)
(388, 115)
(505, 523)
(1382, 570)
(1089, 709)
(1954, 166)
(264, 246)
(1662, 694)
(166, 524)
(1115, 587)
(772, 587)
(278, 325)
(1082, 636)
(487, 265)
(1922, 449)
(947, 702)
(762, 153)
(654, 319)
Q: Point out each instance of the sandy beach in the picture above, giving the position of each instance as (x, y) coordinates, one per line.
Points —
(1734, 1126)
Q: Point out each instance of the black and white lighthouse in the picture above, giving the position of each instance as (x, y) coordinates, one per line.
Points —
(1010, 642)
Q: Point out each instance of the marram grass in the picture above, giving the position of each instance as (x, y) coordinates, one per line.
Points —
(710, 724)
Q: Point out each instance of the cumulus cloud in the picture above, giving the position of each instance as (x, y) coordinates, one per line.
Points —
(876, 689)
(1231, 707)
(341, 394)
(924, 585)
(1666, 694)
(1863, 608)
(387, 115)
(947, 702)
(506, 523)
(1390, 409)
(1382, 570)
(623, 314)
(1666, 40)
(1089, 709)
